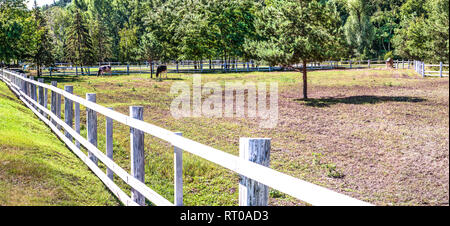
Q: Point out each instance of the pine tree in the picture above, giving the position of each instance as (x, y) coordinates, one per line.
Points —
(42, 54)
(79, 48)
(101, 40)
(291, 32)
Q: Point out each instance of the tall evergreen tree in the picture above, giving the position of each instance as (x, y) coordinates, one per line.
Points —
(79, 48)
(42, 54)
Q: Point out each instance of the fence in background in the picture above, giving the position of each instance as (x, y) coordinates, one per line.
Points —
(251, 165)
(215, 66)
(441, 70)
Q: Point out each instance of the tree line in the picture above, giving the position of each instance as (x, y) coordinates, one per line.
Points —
(278, 32)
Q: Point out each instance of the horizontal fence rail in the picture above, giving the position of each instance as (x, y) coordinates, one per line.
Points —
(251, 170)
(215, 66)
(434, 70)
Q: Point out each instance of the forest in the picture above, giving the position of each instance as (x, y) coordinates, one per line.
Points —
(278, 32)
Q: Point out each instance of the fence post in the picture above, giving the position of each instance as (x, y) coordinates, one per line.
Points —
(137, 153)
(41, 94)
(109, 144)
(68, 110)
(350, 64)
(77, 122)
(417, 66)
(50, 71)
(409, 64)
(128, 69)
(368, 63)
(58, 108)
(153, 68)
(53, 101)
(32, 90)
(177, 66)
(91, 121)
(76, 70)
(440, 69)
(257, 150)
(30, 86)
(178, 174)
(45, 99)
(24, 85)
(423, 69)
(403, 64)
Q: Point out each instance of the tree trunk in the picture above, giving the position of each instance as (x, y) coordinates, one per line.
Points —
(305, 83)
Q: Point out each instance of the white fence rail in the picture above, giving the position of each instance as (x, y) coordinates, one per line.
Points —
(426, 69)
(26, 88)
(213, 66)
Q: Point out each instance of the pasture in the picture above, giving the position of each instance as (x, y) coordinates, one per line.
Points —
(41, 171)
(380, 136)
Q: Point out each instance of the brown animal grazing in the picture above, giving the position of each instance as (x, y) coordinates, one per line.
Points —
(103, 69)
(161, 69)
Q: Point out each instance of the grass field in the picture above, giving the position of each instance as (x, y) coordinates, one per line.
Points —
(377, 135)
(36, 168)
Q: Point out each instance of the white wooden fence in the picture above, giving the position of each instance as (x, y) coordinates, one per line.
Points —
(426, 69)
(251, 165)
(213, 66)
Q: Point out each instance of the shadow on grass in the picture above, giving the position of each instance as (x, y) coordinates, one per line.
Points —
(162, 79)
(326, 102)
(62, 79)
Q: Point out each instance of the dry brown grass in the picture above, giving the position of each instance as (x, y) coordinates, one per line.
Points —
(377, 135)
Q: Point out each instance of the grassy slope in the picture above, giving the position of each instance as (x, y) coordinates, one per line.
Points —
(371, 126)
(36, 168)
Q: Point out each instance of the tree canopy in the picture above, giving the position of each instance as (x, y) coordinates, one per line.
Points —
(274, 31)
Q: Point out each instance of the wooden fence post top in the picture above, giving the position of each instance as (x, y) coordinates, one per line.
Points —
(91, 97)
(68, 89)
(136, 112)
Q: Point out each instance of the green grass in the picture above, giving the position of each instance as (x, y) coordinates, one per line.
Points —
(35, 166)
(345, 121)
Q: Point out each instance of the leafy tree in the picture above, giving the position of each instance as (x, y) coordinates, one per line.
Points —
(423, 32)
(150, 49)
(16, 31)
(291, 32)
(58, 21)
(128, 44)
(438, 30)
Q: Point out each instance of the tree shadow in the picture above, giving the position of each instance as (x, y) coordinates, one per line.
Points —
(169, 78)
(328, 101)
(61, 79)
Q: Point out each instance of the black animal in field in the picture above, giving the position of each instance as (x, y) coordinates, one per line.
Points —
(161, 69)
(103, 69)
